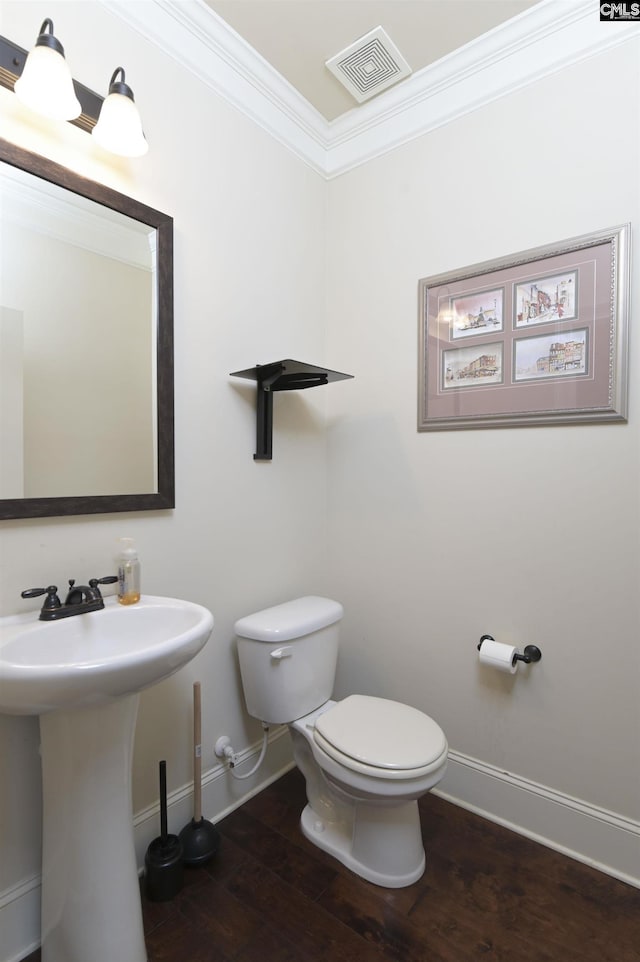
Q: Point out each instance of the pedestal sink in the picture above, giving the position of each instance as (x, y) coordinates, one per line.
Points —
(82, 676)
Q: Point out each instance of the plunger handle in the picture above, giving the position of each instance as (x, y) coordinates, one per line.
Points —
(197, 753)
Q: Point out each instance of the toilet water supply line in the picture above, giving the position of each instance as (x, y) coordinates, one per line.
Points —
(224, 750)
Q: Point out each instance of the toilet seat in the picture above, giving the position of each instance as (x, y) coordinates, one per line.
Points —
(380, 738)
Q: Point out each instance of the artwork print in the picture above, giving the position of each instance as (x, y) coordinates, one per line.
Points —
(551, 355)
(472, 366)
(546, 299)
(473, 314)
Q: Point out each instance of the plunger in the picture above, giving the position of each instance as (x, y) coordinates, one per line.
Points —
(163, 860)
(200, 838)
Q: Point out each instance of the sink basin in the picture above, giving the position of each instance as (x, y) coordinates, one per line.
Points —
(90, 659)
(82, 675)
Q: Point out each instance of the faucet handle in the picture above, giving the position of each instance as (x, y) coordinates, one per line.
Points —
(51, 601)
(107, 580)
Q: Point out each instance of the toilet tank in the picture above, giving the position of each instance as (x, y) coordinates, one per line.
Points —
(288, 657)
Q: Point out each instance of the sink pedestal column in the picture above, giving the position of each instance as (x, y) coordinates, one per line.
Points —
(91, 909)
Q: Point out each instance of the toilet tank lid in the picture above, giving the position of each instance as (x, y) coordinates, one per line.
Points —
(293, 619)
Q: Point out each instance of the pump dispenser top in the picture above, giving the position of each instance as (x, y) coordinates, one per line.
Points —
(128, 572)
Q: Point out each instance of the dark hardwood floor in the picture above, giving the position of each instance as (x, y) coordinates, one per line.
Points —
(487, 893)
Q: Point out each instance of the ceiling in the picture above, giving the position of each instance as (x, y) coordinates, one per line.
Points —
(297, 37)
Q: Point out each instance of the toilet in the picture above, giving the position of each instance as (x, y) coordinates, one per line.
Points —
(366, 760)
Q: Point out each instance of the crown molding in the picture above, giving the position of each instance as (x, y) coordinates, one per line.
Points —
(548, 37)
(198, 39)
(539, 42)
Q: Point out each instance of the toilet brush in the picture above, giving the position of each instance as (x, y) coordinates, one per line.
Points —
(163, 860)
(200, 838)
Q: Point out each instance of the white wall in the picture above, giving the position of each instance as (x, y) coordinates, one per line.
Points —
(249, 288)
(437, 538)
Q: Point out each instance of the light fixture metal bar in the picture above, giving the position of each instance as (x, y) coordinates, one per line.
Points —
(12, 61)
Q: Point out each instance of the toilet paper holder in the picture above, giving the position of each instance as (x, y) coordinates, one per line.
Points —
(530, 654)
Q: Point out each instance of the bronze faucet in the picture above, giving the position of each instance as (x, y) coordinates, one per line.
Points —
(80, 598)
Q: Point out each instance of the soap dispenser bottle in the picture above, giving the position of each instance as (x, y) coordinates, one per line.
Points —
(128, 573)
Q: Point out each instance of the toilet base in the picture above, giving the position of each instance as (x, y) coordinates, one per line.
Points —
(385, 847)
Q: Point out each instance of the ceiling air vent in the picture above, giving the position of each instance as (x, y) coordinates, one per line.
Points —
(369, 65)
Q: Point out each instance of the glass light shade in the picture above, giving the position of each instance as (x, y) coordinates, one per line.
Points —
(46, 85)
(119, 127)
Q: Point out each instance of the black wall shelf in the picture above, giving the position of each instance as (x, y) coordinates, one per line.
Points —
(287, 375)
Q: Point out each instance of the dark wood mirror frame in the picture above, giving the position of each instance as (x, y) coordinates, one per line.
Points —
(15, 508)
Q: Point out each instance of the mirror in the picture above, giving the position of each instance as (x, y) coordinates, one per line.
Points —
(86, 345)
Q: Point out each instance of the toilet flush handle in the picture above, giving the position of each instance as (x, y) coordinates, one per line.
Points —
(279, 653)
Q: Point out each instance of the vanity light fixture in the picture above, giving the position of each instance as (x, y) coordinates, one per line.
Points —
(46, 84)
(42, 80)
(119, 128)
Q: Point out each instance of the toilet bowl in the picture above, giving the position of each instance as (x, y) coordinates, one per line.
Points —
(366, 760)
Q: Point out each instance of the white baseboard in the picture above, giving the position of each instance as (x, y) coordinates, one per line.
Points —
(20, 920)
(595, 836)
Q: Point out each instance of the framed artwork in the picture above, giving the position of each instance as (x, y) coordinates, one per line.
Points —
(536, 338)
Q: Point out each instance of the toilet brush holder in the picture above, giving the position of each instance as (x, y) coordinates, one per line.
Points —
(163, 862)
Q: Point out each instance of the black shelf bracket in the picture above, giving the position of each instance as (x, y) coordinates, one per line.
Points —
(287, 375)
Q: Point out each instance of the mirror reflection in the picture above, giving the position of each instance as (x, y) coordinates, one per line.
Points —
(86, 392)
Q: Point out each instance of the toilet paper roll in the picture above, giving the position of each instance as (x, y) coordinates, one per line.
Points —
(497, 655)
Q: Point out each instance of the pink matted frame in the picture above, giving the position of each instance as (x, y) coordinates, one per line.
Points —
(536, 338)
